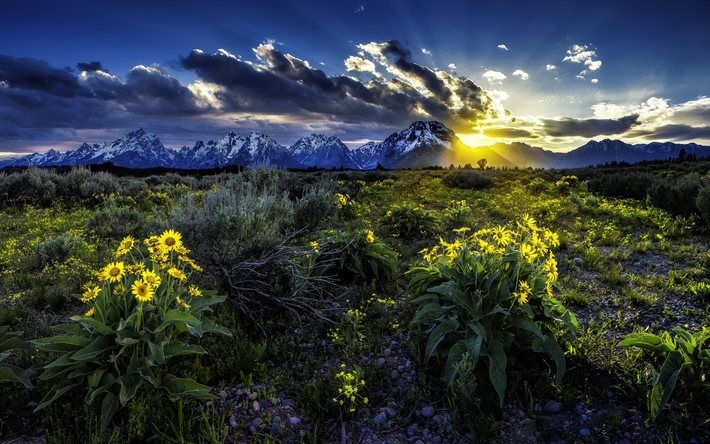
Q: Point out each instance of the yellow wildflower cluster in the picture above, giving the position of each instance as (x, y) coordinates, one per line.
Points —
(529, 243)
(349, 384)
(159, 277)
(342, 199)
(369, 236)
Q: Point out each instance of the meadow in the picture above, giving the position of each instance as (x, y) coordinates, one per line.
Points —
(343, 306)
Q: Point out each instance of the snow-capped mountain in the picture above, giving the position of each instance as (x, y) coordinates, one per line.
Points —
(421, 144)
(322, 151)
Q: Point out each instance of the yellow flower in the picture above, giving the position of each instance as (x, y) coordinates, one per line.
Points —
(151, 279)
(530, 222)
(90, 313)
(90, 293)
(342, 200)
(113, 272)
(125, 246)
(194, 291)
(170, 240)
(502, 236)
(142, 291)
(461, 230)
(550, 267)
(528, 253)
(181, 303)
(118, 290)
(177, 274)
(369, 236)
(314, 245)
(523, 293)
(136, 268)
(184, 258)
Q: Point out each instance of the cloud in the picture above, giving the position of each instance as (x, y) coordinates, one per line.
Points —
(569, 127)
(90, 66)
(451, 66)
(426, 51)
(508, 133)
(550, 67)
(673, 132)
(360, 9)
(522, 75)
(585, 55)
(503, 47)
(495, 77)
(595, 81)
(354, 63)
(37, 75)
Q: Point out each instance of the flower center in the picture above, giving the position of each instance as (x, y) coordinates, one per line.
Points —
(170, 242)
(115, 271)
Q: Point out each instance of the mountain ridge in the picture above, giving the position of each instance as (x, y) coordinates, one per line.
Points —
(422, 144)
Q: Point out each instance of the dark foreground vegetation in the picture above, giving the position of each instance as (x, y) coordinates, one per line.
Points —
(344, 306)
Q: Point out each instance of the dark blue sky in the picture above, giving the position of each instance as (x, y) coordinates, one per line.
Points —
(648, 59)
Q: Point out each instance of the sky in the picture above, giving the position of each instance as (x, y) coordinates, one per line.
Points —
(553, 74)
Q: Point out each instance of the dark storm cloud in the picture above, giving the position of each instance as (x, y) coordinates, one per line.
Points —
(38, 75)
(282, 82)
(674, 132)
(90, 66)
(567, 127)
(508, 133)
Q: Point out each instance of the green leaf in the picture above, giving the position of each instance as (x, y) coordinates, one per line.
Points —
(102, 344)
(550, 346)
(130, 384)
(497, 361)
(647, 341)
(664, 383)
(177, 316)
(179, 387)
(526, 324)
(445, 327)
(53, 394)
(13, 373)
(95, 324)
(178, 348)
(109, 406)
(61, 343)
(453, 359)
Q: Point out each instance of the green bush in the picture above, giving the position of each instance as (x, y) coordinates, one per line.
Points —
(677, 196)
(115, 221)
(409, 221)
(702, 202)
(355, 256)
(458, 212)
(10, 372)
(686, 362)
(57, 249)
(489, 296)
(466, 180)
(142, 316)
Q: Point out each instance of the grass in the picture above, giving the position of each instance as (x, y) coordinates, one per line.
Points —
(630, 265)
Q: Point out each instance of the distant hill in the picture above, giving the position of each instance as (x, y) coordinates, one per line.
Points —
(421, 144)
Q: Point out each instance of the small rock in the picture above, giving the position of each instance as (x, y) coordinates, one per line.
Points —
(380, 418)
(584, 417)
(624, 441)
(584, 432)
(233, 422)
(256, 406)
(294, 420)
(265, 404)
(578, 261)
(389, 412)
(436, 439)
(419, 441)
(427, 411)
(275, 428)
(552, 407)
(253, 396)
(394, 374)
(411, 431)
(255, 422)
(387, 352)
(252, 430)
(222, 394)
(380, 362)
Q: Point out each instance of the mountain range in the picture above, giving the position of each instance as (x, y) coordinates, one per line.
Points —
(421, 144)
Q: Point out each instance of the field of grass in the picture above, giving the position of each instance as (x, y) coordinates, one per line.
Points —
(383, 306)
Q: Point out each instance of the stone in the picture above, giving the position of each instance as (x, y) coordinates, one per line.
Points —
(256, 406)
(222, 394)
(255, 422)
(552, 407)
(275, 428)
(233, 422)
(387, 352)
(436, 439)
(578, 261)
(252, 430)
(427, 411)
(394, 374)
(294, 420)
(584, 432)
(380, 418)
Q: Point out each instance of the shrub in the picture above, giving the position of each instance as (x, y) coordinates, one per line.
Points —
(489, 296)
(141, 315)
(115, 221)
(702, 202)
(628, 184)
(9, 372)
(57, 249)
(355, 256)
(686, 361)
(677, 196)
(314, 207)
(466, 180)
(458, 212)
(408, 221)
(537, 185)
(99, 185)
